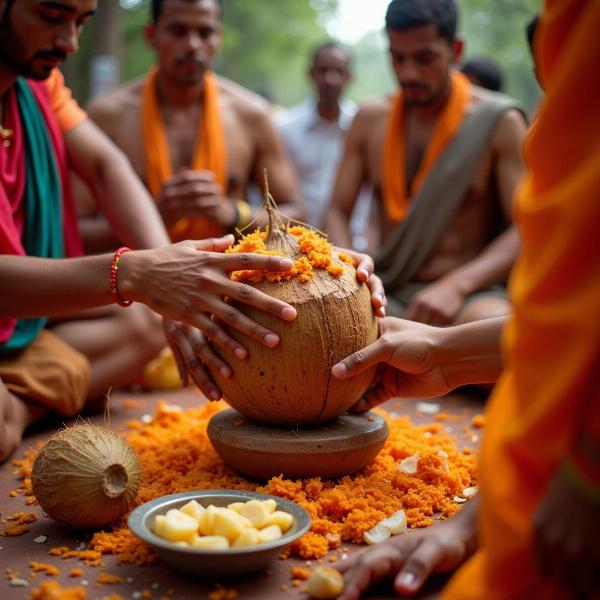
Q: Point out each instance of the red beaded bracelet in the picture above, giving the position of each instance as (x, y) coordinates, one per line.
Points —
(114, 268)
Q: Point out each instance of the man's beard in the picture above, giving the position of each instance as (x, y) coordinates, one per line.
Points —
(13, 50)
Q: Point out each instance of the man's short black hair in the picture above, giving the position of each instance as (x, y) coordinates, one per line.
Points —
(157, 6)
(326, 46)
(406, 14)
(486, 71)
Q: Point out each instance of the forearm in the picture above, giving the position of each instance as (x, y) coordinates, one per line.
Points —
(493, 265)
(129, 208)
(337, 227)
(97, 234)
(471, 353)
(45, 287)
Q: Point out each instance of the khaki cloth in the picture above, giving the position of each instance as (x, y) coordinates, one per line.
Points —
(50, 372)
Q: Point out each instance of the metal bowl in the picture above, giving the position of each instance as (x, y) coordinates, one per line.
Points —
(231, 562)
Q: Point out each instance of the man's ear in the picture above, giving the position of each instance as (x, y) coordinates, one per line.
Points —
(150, 34)
(457, 50)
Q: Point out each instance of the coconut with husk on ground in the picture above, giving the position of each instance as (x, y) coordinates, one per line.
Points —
(292, 383)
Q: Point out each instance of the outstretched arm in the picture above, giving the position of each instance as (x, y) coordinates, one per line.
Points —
(412, 557)
(417, 360)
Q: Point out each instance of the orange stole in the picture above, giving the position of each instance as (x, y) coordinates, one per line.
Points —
(209, 152)
(395, 195)
(548, 395)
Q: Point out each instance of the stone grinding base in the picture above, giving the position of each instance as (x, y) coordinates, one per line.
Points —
(327, 450)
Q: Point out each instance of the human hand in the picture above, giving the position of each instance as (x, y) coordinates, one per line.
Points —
(411, 366)
(193, 354)
(192, 194)
(412, 557)
(189, 282)
(365, 272)
(566, 532)
(436, 304)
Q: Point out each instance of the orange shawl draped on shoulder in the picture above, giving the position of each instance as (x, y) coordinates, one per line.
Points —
(548, 397)
(209, 152)
(395, 194)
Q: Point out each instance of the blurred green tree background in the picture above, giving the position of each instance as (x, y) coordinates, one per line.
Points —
(267, 45)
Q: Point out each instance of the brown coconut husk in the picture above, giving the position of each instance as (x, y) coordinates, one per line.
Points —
(292, 384)
(86, 476)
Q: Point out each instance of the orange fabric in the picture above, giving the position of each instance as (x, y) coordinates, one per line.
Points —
(50, 372)
(395, 194)
(209, 153)
(64, 106)
(549, 394)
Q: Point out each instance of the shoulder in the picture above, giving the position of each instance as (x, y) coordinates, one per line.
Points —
(112, 108)
(372, 112)
(293, 115)
(246, 104)
(511, 124)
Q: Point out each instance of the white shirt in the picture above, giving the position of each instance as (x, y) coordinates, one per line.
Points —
(314, 146)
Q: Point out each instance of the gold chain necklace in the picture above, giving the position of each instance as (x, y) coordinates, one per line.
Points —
(6, 135)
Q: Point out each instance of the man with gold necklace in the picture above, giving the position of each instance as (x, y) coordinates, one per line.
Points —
(444, 158)
(195, 139)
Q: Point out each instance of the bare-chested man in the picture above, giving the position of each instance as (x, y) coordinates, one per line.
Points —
(195, 140)
(444, 158)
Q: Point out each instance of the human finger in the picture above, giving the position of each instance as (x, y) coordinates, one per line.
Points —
(372, 565)
(213, 331)
(371, 399)
(379, 351)
(417, 568)
(198, 372)
(202, 349)
(253, 262)
(235, 318)
(215, 244)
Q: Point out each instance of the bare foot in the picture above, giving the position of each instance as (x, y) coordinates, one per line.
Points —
(14, 418)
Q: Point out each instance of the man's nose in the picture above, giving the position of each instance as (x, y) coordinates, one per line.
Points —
(333, 77)
(68, 39)
(408, 71)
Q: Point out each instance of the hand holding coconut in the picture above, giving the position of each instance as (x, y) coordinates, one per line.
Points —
(419, 361)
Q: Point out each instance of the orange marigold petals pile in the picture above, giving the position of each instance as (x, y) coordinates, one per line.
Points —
(317, 253)
(52, 590)
(176, 456)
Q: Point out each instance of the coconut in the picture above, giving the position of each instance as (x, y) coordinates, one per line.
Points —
(85, 477)
(292, 384)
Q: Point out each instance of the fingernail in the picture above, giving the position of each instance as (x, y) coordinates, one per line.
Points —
(286, 263)
(271, 340)
(287, 312)
(408, 579)
(225, 372)
(240, 353)
(339, 370)
(364, 273)
(215, 395)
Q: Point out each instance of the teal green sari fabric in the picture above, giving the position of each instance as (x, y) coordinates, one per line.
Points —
(42, 231)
